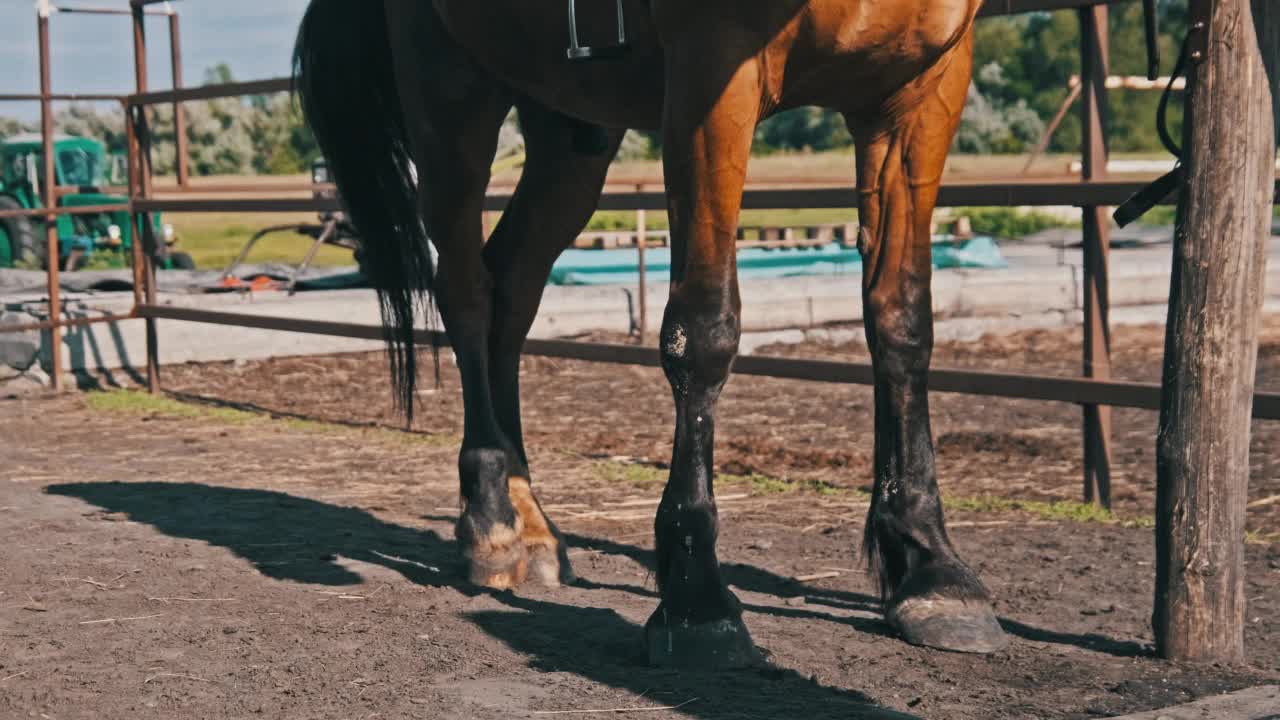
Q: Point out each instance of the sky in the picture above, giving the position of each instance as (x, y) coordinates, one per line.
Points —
(94, 53)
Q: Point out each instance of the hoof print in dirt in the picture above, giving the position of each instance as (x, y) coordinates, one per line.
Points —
(717, 645)
(948, 624)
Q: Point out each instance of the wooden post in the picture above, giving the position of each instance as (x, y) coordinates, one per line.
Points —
(146, 233)
(1096, 244)
(641, 246)
(53, 254)
(182, 161)
(1211, 344)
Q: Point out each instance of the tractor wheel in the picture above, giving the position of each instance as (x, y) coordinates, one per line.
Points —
(17, 235)
(181, 261)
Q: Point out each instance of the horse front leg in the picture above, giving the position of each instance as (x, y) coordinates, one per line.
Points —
(699, 621)
(930, 595)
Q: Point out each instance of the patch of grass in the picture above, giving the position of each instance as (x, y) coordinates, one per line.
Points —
(650, 476)
(104, 260)
(214, 239)
(758, 484)
(1257, 537)
(141, 403)
(1057, 510)
(1159, 215)
(1010, 223)
(1145, 522)
(641, 476)
(658, 220)
(1062, 510)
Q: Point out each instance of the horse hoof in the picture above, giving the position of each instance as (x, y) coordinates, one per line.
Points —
(499, 576)
(948, 624)
(718, 645)
(548, 557)
(499, 560)
(550, 567)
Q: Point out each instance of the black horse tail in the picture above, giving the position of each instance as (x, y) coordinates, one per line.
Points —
(344, 75)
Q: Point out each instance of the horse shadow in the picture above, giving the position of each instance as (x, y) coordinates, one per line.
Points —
(297, 539)
(284, 536)
(599, 644)
(287, 537)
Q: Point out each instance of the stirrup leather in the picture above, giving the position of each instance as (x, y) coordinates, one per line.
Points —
(579, 52)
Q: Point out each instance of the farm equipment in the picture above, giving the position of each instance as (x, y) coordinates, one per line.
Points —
(333, 228)
(83, 169)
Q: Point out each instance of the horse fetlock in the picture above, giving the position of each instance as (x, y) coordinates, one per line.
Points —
(687, 569)
(940, 576)
(686, 527)
(483, 468)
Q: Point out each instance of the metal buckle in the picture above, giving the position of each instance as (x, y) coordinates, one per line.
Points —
(578, 52)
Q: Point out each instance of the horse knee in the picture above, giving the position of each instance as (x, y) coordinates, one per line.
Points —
(900, 327)
(698, 347)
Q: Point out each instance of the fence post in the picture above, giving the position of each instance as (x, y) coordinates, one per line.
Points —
(1094, 52)
(641, 246)
(144, 231)
(182, 162)
(1211, 342)
(53, 255)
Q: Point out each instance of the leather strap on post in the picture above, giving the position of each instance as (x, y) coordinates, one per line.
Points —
(1195, 47)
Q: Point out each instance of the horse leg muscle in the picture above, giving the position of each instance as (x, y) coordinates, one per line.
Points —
(930, 595)
(706, 148)
(554, 199)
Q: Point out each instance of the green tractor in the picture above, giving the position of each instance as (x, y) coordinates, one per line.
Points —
(83, 168)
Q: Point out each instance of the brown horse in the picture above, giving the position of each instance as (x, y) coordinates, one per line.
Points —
(406, 98)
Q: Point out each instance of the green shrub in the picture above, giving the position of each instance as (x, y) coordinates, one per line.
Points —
(1011, 223)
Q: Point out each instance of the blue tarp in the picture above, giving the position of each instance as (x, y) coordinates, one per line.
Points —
(608, 267)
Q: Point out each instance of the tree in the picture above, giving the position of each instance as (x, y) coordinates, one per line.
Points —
(83, 120)
(992, 124)
(13, 126)
(806, 128)
(282, 142)
(1038, 53)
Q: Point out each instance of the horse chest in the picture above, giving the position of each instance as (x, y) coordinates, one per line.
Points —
(850, 55)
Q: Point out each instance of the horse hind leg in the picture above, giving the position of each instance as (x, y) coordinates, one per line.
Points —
(453, 111)
(556, 195)
(931, 596)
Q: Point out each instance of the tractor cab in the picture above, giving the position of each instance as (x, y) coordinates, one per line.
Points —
(82, 170)
(78, 162)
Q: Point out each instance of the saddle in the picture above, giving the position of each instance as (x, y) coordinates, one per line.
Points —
(580, 53)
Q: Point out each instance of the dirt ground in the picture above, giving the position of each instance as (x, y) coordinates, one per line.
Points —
(183, 560)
